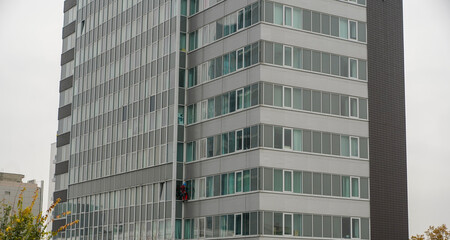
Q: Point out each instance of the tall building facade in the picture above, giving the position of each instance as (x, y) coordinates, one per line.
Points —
(208, 119)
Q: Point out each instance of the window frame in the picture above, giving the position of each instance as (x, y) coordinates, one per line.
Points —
(351, 187)
(242, 99)
(235, 224)
(236, 181)
(284, 56)
(350, 29)
(242, 140)
(292, 224)
(350, 146)
(350, 68)
(292, 97)
(284, 16)
(292, 139)
(350, 98)
(351, 227)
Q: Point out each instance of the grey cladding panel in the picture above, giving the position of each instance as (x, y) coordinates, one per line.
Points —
(64, 111)
(69, 29)
(57, 223)
(63, 139)
(387, 128)
(65, 84)
(67, 56)
(126, 180)
(61, 195)
(68, 4)
(62, 167)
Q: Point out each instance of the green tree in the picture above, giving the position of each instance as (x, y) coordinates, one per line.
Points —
(20, 223)
(434, 233)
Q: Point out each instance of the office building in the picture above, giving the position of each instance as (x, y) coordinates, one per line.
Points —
(11, 186)
(284, 119)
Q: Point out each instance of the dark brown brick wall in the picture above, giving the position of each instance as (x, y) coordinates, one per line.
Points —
(387, 129)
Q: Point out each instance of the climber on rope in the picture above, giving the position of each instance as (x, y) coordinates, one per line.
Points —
(183, 191)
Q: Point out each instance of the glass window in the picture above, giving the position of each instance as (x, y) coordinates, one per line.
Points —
(297, 58)
(325, 24)
(297, 100)
(363, 148)
(210, 108)
(255, 94)
(246, 138)
(364, 188)
(326, 63)
(354, 146)
(337, 227)
(239, 139)
(218, 106)
(316, 101)
(268, 52)
(246, 181)
(278, 180)
(255, 13)
(335, 65)
(287, 97)
(353, 68)
(232, 61)
(326, 178)
(240, 99)
(226, 64)
(254, 136)
(240, 19)
(306, 20)
(277, 224)
(255, 53)
(307, 144)
(268, 136)
(254, 179)
(278, 14)
(335, 104)
(317, 142)
(297, 182)
(362, 70)
(288, 56)
(278, 50)
(278, 137)
(248, 16)
(326, 102)
(316, 22)
(288, 16)
(239, 182)
(238, 224)
(307, 225)
(224, 184)
(225, 103)
(297, 225)
(334, 26)
(345, 106)
(209, 187)
(345, 186)
(268, 223)
(247, 56)
(317, 183)
(297, 140)
(355, 187)
(240, 58)
(268, 179)
(361, 32)
(346, 227)
(306, 59)
(344, 66)
(353, 107)
(316, 61)
(343, 28)
(225, 143)
(298, 18)
(345, 146)
(317, 225)
(307, 182)
(268, 13)
(326, 143)
(287, 224)
(247, 97)
(231, 142)
(352, 30)
(232, 101)
(288, 181)
(306, 100)
(365, 228)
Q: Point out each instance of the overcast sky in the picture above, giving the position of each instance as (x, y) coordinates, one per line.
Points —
(30, 49)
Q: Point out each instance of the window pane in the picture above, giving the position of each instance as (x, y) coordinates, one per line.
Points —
(317, 183)
(306, 100)
(344, 106)
(287, 97)
(343, 28)
(278, 96)
(297, 58)
(268, 136)
(255, 13)
(255, 53)
(240, 58)
(316, 61)
(226, 64)
(345, 146)
(288, 56)
(268, 223)
(246, 181)
(298, 18)
(247, 98)
(238, 228)
(246, 138)
(346, 227)
(335, 26)
(248, 16)
(277, 224)
(335, 104)
(209, 187)
(278, 14)
(307, 225)
(355, 187)
(317, 224)
(240, 19)
(325, 24)
(231, 142)
(307, 20)
(317, 142)
(278, 180)
(247, 56)
(355, 228)
(353, 68)
(288, 16)
(353, 30)
(363, 148)
(325, 63)
(233, 61)
(297, 98)
(218, 106)
(239, 99)
(307, 141)
(365, 228)
(298, 225)
(298, 182)
(287, 138)
(326, 143)
(326, 184)
(336, 145)
(307, 182)
(306, 59)
(362, 70)
(361, 32)
(353, 107)
(268, 52)
(316, 22)
(335, 65)
(364, 188)
(344, 66)
(231, 183)
(298, 140)
(354, 147)
(224, 184)
(362, 108)
(345, 186)
(269, 12)
(288, 224)
(239, 139)
(268, 179)
(316, 100)
(278, 137)
(239, 182)
(288, 181)
(337, 227)
(278, 54)
(225, 103)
